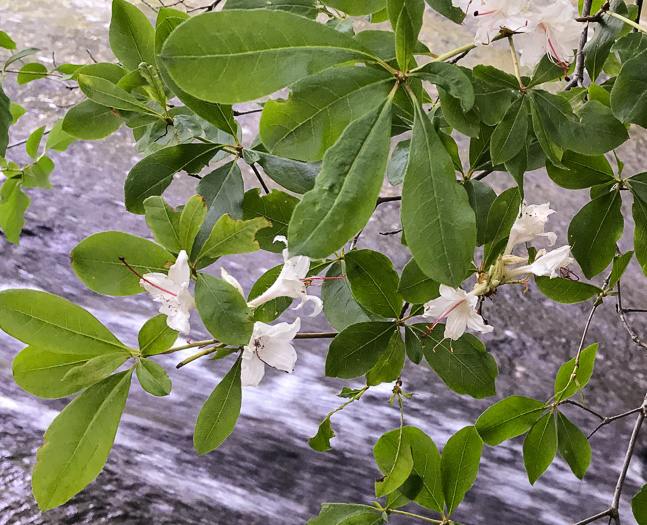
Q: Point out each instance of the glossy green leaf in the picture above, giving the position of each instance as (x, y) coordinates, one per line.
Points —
(508, 418)
(464, 365)
(573, 446)
(398, 164)
(628, 100)
(267, 312)
(106, 70)
(219, 413)
(6, 41)
(566, 291)
(459, 465)
(156, 336)
(451, 79)
(223, 310)
(389, 366)
(108, 94)
(382, 43)
(406, 21)
(31, 71)
(346, 190)
(16, 110)
(509, 137)
(357, 349)
(620, 263)
(581, 171)
(293, 175)
(564, 387)
(597, 48)
(13, 204)
(347, 514)
(438, 221)
(481, 198)
(594, 231)
(307, 8)
(546, 71)
(374, 282)
(393, 456)
(90, 121)
(276, 207)
(164, 222)
(193, 215)
(447, 9)
(96, 368)
(57, 139)
(153, 174)
(639, 213)
(413, 345)
(540, 447)
(639, 506)
(415, 287)
(19, 55)
(96, 262)
(319, 108)
(78, 441)
(153, 378)
(630, 45)
(132, 37)
(36, 175)
(466, 122)
(245, 55)
(51, 322)
(357, 7)
(230, 236)
(321, 440)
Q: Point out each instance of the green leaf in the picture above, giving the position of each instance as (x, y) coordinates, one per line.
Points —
(540, 447)
(219, 413)
(374, 282)
(19, 56)
(223, 190)
(382, 43)
(106, 70)
(620, 263)
(639, 506)
(393, 456)
(413, 345)
(319, 108)
(13, 204)
(106, 93)
(97, 368)
(580, 171)
(597, 48)
(78, 441)
(545, 71)
(639, 213)
(481, 198)
(438, 221)
(31, 71)
(164, 222)
(53, 323)
(346, 190)
(156, 336)
(630, 45)
(464, 365)
(96, 262)
(307, 8)
(389, 366)
(293, 175)
(460, 465)
(508, 418)
(132, 37)
(357, 349)
(628, 100)
(245, 55)
(357, 7)
(509, 137)
(340, 305)
(398, 164)
(90, 121)
(193, 215)
(594, 231)
(566, 291)
(267, 312)
(321, 440)
(447, 9)
(415, 287)
(347, 514)
(466, 122)
(223, 310)
(451, 79)
(36, 175)
(230, 236)
(16, 110)
(153, 174)
(277, 207)
(152, 377)
(40, 371)
(573, 446)
(552, 151)
(406, 21)
(57, 139)
(564, 387)
(6, 41)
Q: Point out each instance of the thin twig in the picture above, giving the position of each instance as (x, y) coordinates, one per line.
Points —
(91, 57)
(611, 419)
(381, 200)
(483, 174)
(639, 3)
(316, 335)
(21, 142)
(394, 232)
(260, 179)
(578, 76)
(633, 310)
(239, 113)
(634, 336)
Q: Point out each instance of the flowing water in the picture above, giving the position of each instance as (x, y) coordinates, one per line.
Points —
(265, 472)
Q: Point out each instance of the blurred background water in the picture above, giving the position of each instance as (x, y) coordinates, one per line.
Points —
(265, 472)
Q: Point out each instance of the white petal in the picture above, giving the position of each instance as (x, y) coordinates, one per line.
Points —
(231, 280)
(476, 323)
(281, 238)
(158, 284)
(456, 323)
(318, 303)
(180, 271)
(252, 369)
(179, 321)
(281, 356)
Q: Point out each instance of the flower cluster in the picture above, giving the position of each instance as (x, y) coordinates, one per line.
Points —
(545, 26)
(458, 308)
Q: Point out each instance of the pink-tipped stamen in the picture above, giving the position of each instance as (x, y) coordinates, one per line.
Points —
(123, 260)
(559, 60)
(429, 330)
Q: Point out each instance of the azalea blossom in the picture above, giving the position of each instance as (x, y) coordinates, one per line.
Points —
(226, 276)
(172, 291)
(291, 282)
(529, 225)
(547, 264)
(458, 308)
(555, 33)
(494, 15)
(269, 345)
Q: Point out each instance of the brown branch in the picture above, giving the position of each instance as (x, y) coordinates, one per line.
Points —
(634, 336)
(316, 335)
(578, 75)
(260, 179)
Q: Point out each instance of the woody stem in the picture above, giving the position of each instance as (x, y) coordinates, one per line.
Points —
(191, 345)
(515, 61)
(204, 352)
(316, 335)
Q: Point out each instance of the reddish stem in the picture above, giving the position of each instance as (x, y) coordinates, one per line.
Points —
(123, 260)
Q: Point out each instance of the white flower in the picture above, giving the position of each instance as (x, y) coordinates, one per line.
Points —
(494, 15)
(556, 33)
(172, 291)
(530, 225)
(547, 264)
(269, 345)
(226, 276)
(290, 282)
(458, 307)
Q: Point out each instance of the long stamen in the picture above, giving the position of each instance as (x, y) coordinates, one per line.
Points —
(442, 317)
(123, 260)
(559, 60)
